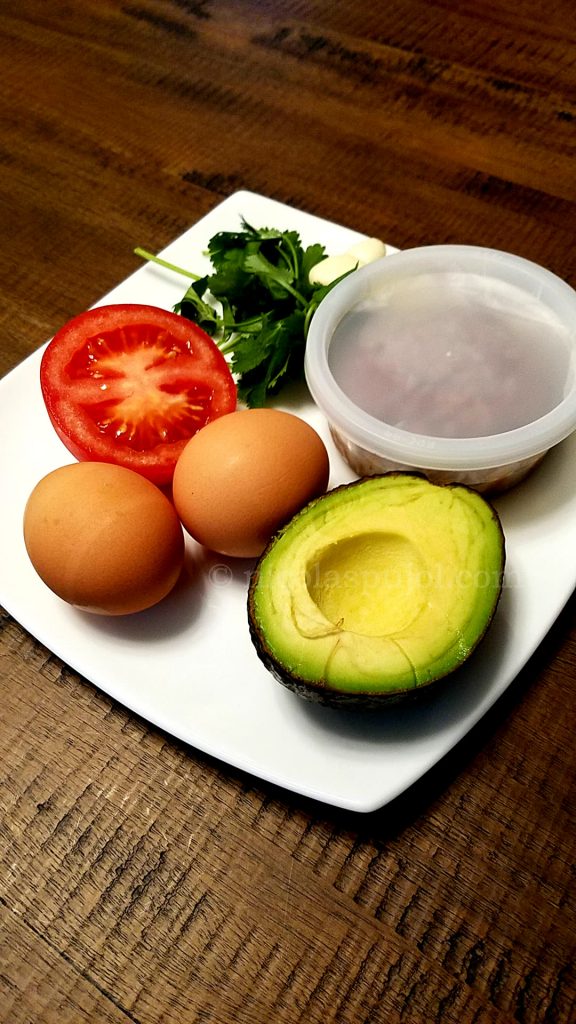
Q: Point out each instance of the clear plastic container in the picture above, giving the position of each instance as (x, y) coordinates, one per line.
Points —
(456, 361)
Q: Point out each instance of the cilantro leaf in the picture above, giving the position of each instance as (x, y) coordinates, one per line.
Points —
(312, 256)
(195, 308)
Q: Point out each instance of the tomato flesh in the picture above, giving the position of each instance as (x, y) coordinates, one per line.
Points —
(131, 384)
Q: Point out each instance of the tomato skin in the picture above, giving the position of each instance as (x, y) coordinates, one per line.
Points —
(130, 384)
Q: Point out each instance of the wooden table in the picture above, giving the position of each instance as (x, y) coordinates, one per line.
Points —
(141, 881)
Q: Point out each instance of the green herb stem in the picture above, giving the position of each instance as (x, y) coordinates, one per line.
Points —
(309, 314)
(145, 255)
(288, 288)
(299, 298)
(294, 267)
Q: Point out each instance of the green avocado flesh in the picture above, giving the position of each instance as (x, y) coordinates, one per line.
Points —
(377, 589)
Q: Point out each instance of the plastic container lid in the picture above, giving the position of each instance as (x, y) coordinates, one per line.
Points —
(456, 357)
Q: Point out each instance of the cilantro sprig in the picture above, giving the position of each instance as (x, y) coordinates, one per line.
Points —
(256, 303)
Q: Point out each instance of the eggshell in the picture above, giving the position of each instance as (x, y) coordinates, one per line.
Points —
(103, 538)
(244, 475)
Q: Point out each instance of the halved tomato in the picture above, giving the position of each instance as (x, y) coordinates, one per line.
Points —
(131, 384)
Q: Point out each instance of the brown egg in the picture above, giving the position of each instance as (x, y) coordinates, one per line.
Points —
(244, 475)
(103, 538)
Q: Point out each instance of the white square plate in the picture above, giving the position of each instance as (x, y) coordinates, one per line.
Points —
(188, 665)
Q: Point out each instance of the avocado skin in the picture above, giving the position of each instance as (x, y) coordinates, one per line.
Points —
(318, 691)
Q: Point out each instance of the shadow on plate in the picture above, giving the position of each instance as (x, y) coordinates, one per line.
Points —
(205, 578)
(222, 571)
(175, 614)
(546, 490)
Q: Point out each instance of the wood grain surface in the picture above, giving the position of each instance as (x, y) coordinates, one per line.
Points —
(140, 881)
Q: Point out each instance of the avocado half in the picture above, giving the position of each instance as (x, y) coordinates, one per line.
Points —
(377, 589)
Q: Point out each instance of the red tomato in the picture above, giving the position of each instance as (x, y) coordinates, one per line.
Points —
(131, 384)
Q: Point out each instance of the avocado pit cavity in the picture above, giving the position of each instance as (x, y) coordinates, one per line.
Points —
(372, 584)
